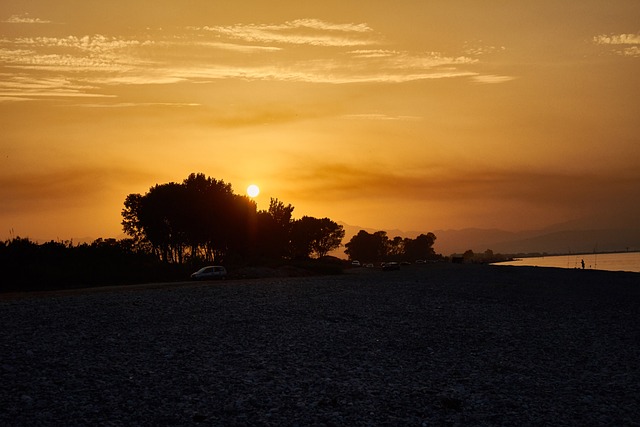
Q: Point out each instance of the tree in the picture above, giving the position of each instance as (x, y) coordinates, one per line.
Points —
(328, 237)
(280, 213)
(201, 218)
(313, 236)
(161, 217)
(131, 216)
(368, 247)
(280, 226)
(396, 247)
(419, 248)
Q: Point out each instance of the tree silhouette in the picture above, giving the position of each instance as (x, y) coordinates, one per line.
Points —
(396, 247)
(419, 248)
(377, 247)
(281, 216)
(368, 247)
(202, 219)
(313, 236)
(199, 218)
(328, 237)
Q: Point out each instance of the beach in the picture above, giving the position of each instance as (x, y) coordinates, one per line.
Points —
(433, 344)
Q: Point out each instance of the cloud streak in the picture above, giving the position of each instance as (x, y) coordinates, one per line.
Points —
(90, 64)
(622, 44)
(492, 79)
(312, 32)
(26, 87)
(25, 19)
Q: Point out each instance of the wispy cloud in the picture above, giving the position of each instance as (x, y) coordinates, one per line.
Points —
(90, 64)
(94, 44)
(74, 55)
(374, 53)
(622, 44)
(617, 39)
(25, 19)
(384, 117)
(238, 47)
(474, 49)
(299, 32)
(321, 71)
(492, 79)
(140, 104)
(26, 87)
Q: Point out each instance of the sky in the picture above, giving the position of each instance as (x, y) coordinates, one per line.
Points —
(410, 115)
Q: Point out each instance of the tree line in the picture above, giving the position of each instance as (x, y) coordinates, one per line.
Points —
(28, 265)
(377, 247)
(176, 227)
(201, 219)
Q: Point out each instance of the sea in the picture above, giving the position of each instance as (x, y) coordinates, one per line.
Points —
(623, 261)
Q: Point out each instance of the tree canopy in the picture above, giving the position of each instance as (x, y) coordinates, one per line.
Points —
(378, 247)
(202, 218)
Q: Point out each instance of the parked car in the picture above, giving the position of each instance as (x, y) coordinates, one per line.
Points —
(210, 272)
(355, 263)
(388, 266)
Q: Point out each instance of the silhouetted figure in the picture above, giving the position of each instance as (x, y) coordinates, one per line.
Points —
(582, 262)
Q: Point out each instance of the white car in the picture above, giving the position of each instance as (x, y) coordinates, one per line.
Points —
(210, 272)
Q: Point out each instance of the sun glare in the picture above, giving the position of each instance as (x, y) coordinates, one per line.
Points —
(253, 190)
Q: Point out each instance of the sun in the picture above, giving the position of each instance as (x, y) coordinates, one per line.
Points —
(253, 190)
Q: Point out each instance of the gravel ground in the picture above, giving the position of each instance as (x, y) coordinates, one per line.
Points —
(427, 345)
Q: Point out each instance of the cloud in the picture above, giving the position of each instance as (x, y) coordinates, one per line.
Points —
(385, 117)
(95, 44)
(492, 79)
(74, 55)
(25, 19)
(89, 64)
(299, 32)
(373, 53)
(480, 50)
(25, 87)
(319, 71)
(617, 39)
(139, 104)
(239, 47)
(622, 44)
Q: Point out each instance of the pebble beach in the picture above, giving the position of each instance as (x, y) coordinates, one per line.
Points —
(435, 344)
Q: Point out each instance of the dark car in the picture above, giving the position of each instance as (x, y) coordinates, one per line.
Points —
(210, 272)
(389, 266)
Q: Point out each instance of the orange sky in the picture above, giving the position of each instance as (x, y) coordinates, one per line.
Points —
(413, 115)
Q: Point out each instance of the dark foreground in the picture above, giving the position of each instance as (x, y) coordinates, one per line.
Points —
(428, 345)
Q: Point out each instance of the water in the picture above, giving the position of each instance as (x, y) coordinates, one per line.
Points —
(627, 261)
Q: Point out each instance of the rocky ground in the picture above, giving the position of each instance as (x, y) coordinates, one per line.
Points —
(427, 345)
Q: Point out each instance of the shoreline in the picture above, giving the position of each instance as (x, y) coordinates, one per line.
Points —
(618, 261)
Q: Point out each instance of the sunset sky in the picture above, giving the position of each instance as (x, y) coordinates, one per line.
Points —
(412, 115)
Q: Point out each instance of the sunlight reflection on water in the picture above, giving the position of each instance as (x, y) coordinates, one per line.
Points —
(627, 261)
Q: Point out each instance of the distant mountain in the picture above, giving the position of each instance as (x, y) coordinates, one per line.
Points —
(573, 237)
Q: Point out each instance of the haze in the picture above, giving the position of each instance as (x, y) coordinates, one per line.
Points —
(409, 115)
